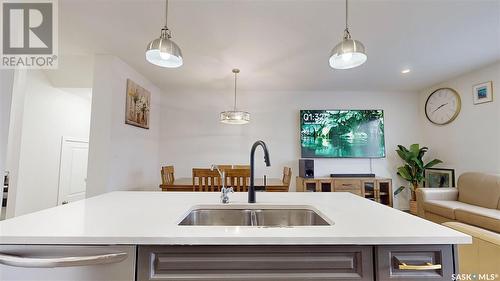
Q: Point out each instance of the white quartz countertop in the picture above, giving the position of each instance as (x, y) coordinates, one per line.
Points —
(153, 217)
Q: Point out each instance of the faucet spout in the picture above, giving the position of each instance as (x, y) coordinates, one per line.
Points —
(224, 190)
(251, 188)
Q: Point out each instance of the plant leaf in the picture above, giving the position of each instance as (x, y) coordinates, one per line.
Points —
(403, 154)
(415, 149)
(423, 150)
(419, 163)
(432, 163)
(397, 191)
(405, 173)
(402, 148)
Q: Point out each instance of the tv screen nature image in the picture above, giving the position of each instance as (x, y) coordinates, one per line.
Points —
(342, 133)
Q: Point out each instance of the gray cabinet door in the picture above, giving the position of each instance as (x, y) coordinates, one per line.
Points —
(225, 263)
(414, 263)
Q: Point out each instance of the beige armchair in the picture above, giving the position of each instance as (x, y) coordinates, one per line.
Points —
(483, 255)
(475, 201)
(474, 209)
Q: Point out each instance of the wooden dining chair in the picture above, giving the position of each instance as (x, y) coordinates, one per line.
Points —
(167, 175)
(238, 179)
(206, 180)
(241, 166)
(287, 178)
(224, 167)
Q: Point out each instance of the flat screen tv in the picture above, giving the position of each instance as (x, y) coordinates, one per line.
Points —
(342, 133)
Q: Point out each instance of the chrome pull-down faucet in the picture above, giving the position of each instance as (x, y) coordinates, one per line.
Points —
(251, 188)
(224, 197)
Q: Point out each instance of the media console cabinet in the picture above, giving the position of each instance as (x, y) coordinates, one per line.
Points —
(376, 189)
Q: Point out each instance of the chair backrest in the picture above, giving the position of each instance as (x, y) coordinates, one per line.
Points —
(224, 167)
(479, 189)
(287, 176)
(238, 179)
(206, 180)
(167, 175)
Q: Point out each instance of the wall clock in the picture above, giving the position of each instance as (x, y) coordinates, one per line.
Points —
(443, 106)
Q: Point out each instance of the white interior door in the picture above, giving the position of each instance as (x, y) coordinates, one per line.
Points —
(73, 170)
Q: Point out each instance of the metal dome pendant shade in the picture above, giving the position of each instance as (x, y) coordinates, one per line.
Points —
(349, 53)
(163, 51)
(235, 117)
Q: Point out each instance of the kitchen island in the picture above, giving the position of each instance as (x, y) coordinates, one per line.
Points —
(363, 241)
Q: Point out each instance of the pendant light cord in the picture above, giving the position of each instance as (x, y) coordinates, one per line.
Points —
(166, 13)
(235, 79)
(347, 35)
(165, 32)
(346, 14)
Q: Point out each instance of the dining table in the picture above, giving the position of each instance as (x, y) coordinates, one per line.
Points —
(269, 184)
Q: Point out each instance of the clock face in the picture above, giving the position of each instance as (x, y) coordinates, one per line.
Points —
(442, 106)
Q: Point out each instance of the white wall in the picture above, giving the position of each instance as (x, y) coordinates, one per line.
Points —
(44, 115)
(193, 137)
(6, 82)
(472, 141)
(14, 136)
(121, 157)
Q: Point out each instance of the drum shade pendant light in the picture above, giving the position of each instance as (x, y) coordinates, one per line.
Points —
(235, 117)
(349, 53)
(163, 51)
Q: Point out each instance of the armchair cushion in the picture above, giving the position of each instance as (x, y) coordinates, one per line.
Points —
(479, 216)
(443, 208)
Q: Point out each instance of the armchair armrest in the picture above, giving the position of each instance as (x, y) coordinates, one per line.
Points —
(476, 232)
(429, 193)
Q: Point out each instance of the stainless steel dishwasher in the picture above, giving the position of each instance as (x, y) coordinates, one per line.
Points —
(68, 263)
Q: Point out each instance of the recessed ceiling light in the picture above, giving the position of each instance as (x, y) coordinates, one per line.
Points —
(404, 71)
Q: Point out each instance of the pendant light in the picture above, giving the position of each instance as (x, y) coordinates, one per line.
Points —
(163, 51)
(349, 53)
(235, 117)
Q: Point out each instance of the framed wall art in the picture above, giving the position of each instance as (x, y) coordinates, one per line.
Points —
(483, 92)
(436, 177)
(138, 105)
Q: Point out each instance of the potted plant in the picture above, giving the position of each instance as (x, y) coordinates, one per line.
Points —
(413, 170)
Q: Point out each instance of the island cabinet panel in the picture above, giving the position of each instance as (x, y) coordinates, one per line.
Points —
(189, 263)
(414, 263)
(67, 263)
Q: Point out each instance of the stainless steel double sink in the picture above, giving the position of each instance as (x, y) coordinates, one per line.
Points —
(259, 217)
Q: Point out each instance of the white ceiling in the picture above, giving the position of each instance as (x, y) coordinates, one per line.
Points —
(285, 45)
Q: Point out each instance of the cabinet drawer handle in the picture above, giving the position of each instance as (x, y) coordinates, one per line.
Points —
(18, 261)
(427, 266)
